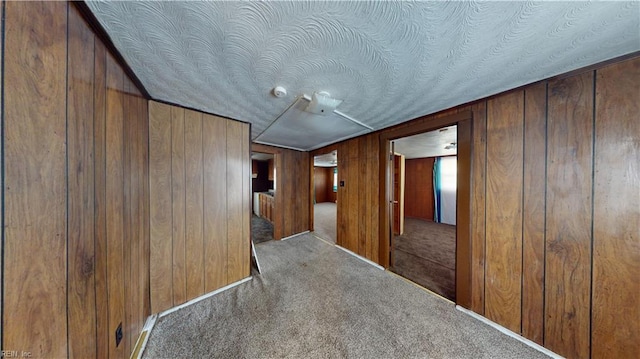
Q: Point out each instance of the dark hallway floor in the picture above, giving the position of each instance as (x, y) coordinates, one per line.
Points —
(261, 229)
(426, 254)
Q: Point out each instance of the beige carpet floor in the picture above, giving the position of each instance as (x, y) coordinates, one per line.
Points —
(315, 301)
(325, 221)
(426, 254)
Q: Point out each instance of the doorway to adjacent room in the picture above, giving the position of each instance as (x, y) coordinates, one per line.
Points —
(423, 246)
(425, 223)
(263, 180)
(325, 195)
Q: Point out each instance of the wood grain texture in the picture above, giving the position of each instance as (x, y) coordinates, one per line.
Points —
(81, 299)
(214, 148)
(247, 200)
(352, 183)
(569, 216)
(463, 216)
(35, 232)
(363, 149)
(161, 222)
(504, 209)
(128, 238)
(478, 191)
(342, 208)
(535, 127)
(194, 204)
(178, 205)
(234, 173)
(616, 237)
(2, 157)
(115, 202)
(100, 201)
(419, 201)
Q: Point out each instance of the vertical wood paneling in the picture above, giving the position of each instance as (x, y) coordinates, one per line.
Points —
(234, 173)
(374, 183)
(419, 201)
(100, 202)
(80, 171)
(115, 202)
(343, 198)
(535, 126)
(35, 232)
(127, 239)
(504, 209)
(353, 185)
(568, 216)
(178, 205)
(145, 252)
(195, 204)
(463, 220)
(1, 155)
(247, 200)
(478, 192)
(160, 202)
(215, 201)
(616, 237)
(362, 197)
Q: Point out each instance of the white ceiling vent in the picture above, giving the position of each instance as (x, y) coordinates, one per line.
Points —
(310, 123)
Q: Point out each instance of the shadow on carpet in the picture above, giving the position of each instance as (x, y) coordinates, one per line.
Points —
(261, 229)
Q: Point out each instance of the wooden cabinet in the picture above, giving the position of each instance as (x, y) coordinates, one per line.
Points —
(271, 174)
(266, 203)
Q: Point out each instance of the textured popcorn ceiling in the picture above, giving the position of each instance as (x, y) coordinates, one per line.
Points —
(389, 61)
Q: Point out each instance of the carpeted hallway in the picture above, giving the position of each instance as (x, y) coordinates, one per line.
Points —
(316, 301)
(325, 221)
(426, 254)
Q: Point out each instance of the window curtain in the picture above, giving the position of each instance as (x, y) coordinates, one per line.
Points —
(437, 189)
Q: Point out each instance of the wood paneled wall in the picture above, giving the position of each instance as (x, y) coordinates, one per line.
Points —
(323, 184)
(418, 191)
(358, 201)
(561, 196)
(199, 204)
(292, 192)
(554, 209)
(75, 192)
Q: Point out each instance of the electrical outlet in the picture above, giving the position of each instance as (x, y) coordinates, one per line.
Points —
(119, 335)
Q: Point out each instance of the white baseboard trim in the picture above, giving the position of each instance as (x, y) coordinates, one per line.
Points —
(510, 333)
(144, 337)
(202, 297)
(361, 258)
(295, 235)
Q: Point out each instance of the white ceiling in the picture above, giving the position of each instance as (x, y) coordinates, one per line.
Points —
(389, 61)
(428, 144)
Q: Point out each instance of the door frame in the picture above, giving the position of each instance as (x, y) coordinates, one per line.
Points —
(463, 194)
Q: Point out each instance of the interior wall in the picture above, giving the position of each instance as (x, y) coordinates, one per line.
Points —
(554, 216)
(418, 198)
(556, 154)
(323, 183)
(358, 199)
(75, 192)
(199, 204)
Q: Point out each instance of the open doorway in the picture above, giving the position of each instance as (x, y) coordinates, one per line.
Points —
(463, 259)
(423, 246)
(263, 180)
(325, 195)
